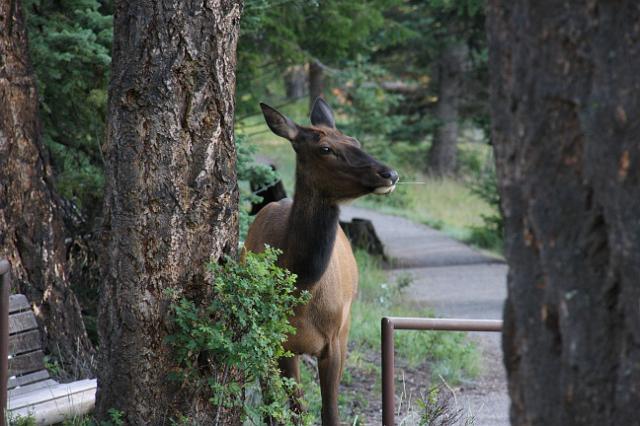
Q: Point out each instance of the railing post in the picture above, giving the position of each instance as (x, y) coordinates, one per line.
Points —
(389, 324)
(388, 381)
(5, 287)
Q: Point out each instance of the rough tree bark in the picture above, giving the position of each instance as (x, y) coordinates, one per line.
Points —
(442, 154)
(171, 198)
(316, 81)
(565, 110)
(31, 227)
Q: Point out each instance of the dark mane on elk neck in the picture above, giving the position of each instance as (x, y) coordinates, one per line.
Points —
(313, 223)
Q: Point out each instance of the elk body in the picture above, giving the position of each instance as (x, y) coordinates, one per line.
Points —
(331, 168)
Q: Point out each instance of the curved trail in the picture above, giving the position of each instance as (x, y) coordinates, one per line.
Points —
(456, 281)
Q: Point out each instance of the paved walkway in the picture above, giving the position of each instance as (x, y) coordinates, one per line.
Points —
(456, 281)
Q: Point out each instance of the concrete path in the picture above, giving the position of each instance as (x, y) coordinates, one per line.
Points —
(456, 281)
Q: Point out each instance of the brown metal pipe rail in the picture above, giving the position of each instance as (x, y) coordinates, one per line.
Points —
(5, 273)
(389, 324)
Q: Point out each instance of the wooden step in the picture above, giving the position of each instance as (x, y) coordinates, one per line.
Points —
(26, 363)
(15, 392)
(18, 302)
(24, 342)
(22, 321)
(27, 378)
(54, 404)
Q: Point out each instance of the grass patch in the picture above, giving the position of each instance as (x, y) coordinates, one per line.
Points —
(441, 203)
(450, 354)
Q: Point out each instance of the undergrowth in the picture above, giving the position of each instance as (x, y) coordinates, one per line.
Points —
(115, 418)
(243, 328)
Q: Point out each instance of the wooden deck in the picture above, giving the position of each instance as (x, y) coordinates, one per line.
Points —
(52, 402)
(31, 390)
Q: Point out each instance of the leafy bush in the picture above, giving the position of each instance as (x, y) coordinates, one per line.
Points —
(472, 159)
(243, 328)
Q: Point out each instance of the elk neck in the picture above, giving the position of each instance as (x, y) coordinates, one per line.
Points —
(311, 233)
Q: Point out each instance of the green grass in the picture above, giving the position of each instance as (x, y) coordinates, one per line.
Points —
(450, 354)
(445, 204)
(21, 420)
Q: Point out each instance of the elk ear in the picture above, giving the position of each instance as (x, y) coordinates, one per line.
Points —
(321, 114)
(279, 124)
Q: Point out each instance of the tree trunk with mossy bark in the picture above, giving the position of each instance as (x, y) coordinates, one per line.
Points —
(31, 228)
(565, 110)
(443, 151)
(171, 203)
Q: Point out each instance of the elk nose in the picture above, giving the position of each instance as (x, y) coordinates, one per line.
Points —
(389, 174)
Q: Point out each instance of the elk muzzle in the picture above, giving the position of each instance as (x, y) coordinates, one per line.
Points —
(391, 177)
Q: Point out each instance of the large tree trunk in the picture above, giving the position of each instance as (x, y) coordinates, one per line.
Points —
(442, 154)
(31, 227)
(295, 79)
(565, 110)
(171, 199)
(316, 81)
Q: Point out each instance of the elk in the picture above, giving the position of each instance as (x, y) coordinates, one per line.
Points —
(331, 168)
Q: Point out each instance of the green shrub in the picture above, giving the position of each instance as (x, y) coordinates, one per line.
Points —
(471, 159)
(242, 328)
(490, 234)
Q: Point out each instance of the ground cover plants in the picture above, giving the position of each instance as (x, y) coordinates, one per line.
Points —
(241, 330)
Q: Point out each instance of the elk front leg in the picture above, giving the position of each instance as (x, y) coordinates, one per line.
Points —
(329, 369)
(290, 368)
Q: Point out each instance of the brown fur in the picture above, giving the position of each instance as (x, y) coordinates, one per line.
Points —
(314, 246)
(322, 325)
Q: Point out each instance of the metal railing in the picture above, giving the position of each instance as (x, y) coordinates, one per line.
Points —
(5, 286)
(389, 324)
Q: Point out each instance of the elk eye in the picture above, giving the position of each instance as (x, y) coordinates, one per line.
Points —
(324, 150)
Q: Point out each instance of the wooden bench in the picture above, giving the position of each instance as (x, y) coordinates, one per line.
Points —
(32, 392)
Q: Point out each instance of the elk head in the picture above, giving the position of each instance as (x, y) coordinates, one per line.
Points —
(329, 161)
